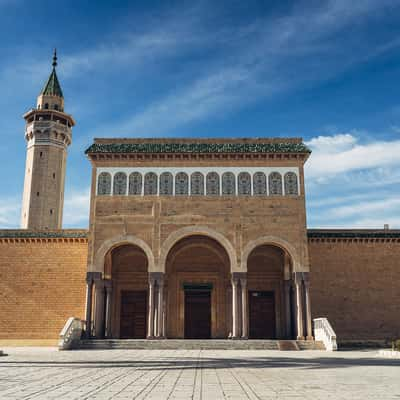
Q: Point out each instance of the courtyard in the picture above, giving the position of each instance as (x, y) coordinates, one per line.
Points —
(46, 373)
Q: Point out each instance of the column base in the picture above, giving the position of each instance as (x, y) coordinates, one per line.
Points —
(310, 338)
(151, 337)
(244, 337)
(300, 338)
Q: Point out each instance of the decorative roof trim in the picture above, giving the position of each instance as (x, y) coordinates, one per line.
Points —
(31, 234)
(353, 234)
(195, 148)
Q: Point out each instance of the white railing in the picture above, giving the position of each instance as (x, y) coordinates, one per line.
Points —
(70, 334)
(324, 332)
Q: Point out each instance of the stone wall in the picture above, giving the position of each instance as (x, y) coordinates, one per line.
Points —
(355, 283)
(42, 282)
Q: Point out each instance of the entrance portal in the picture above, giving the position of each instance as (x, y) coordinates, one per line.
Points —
(262, 315)
(133, 314)
(197, 314)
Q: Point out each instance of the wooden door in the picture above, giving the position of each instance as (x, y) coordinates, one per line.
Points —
(197, 314)
(262, 315)
(133, 314)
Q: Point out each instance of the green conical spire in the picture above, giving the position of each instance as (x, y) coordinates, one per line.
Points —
(52, 86)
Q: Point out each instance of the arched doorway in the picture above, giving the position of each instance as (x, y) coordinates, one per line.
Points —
(126, 269)
(269, 295)
(199, 289)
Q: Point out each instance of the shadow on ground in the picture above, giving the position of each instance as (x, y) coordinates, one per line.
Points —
(214, 363)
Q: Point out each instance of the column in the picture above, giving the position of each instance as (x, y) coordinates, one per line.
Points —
(89, 301)
(288, 308)
(235, 310)
(243, 285)
(160, 333)
(99, 309)
(308, 306)
(150, 330)
(108, 286)
(299, 306)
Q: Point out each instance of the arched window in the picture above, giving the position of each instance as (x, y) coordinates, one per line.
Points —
(291, 186)
(104, 184)
(56, 106)
(259, 184)
(46, 106)
(135, 183)
(166, 182)
(150, 183)
(197, 184)
(244, 184)
(212, 184)
(181, 184)
(275, 183)
(119, 183)
(228, 184)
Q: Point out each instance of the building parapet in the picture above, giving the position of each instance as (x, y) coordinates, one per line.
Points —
(80, 235)
(353, 234)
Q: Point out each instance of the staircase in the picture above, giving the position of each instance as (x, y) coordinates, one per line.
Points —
(186, 344)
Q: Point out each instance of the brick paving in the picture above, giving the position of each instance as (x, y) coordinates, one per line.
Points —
(45, 373)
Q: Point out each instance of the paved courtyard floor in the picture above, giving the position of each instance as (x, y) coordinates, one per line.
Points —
(45, 373)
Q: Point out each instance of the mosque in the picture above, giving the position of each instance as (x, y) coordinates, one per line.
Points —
(187, 239)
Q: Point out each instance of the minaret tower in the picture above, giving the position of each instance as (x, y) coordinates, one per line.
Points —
(48, 133)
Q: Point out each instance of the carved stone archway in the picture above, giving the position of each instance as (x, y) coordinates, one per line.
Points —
(182, 233)
(98, 264)
(275, 241)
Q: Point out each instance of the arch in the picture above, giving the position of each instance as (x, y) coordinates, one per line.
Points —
(166, 184)
(275, 184)
(104, 184)
(212, 184)
(109, 244)
(135, 183)
(181, 184)
(259, 184)
(271, 240)
(119, 183)
(244, 184)
(291, 186)
(150, 183)
(197, 184)
(228, 184)
(176, 236)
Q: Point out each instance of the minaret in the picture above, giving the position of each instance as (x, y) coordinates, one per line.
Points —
(48, 133)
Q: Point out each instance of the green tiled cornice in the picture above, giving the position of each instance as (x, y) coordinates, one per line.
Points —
(29, 234)
(280, 147)
(352, 234)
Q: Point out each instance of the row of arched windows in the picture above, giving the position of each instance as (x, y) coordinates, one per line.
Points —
(152, 184)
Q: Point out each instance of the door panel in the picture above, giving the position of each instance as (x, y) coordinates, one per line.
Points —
(197, 314)
(133, 314)
(262, 315)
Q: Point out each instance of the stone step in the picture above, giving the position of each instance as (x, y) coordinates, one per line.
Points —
(310, 345)
(286, 345)
(187, 344)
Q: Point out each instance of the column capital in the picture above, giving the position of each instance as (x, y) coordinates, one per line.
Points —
(92, 276)
(297, 277)
(156, 277)
(306, 278)
(239, 275)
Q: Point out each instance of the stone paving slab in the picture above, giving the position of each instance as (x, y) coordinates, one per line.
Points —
(45, 373)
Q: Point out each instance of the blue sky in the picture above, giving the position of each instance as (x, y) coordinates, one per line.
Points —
(324, 70)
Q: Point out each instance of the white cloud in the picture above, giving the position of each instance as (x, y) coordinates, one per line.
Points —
(342, 153)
